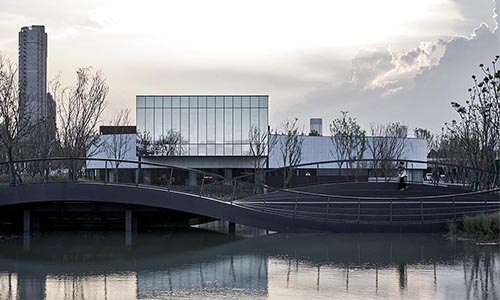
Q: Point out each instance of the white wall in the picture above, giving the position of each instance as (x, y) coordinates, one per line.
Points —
(314, 149)
(320, 148)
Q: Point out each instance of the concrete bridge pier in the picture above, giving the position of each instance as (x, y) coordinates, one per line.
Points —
(128, 227)
(231, 228)
(26, 229)
(192, 178)
(26, 222)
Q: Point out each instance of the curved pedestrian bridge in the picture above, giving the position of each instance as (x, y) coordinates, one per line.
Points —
(68, 185)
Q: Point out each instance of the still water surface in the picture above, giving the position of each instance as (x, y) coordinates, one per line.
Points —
(200, 264)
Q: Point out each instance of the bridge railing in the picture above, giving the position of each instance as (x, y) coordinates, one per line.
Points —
(379, 170)
(456, 191)
(247, 192)
(125, 172)
(376, 210)
(216, 186)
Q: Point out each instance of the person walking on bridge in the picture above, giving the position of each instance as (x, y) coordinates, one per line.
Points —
(402, 176)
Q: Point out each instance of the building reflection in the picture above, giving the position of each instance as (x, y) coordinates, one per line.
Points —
(270, 267)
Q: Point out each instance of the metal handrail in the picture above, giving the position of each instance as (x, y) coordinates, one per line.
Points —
(275, 189)
(337, 161)
(277, 207)
(110, 160)
(381, 198)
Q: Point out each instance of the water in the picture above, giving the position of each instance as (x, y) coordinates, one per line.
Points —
(200, 264)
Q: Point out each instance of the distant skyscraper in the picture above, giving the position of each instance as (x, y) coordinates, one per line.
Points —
(316, 124)
(33, 72)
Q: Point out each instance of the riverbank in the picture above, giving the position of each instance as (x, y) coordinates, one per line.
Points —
(483, 228)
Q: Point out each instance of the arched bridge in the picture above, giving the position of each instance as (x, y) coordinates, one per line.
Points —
(364, 201)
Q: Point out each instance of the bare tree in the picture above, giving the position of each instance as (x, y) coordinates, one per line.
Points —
(424, 134)
(261, 143)
(118, 145)
(42, 143)
(388, 142)
(169, 144)
(15, 122)
(144, 144)
(479, 124)
(290, 142)
(79, 110)
(348, 139)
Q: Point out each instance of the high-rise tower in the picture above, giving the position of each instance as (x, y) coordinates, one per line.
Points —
(33, 72)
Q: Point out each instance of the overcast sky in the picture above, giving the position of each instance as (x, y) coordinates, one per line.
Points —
(385, 60)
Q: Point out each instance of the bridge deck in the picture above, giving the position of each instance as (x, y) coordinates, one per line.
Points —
(283, 211)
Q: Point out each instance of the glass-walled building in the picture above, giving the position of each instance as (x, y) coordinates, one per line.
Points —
(198, 125)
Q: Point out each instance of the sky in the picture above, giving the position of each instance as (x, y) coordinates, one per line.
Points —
(387, 60)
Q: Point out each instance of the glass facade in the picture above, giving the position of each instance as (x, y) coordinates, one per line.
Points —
(198, 125)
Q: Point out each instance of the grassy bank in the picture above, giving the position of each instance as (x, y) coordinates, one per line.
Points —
(483, 227)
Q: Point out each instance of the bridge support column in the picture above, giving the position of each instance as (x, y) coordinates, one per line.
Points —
(231, 228)
(26, 229)
(128, 227)
(192, 178)
(26, 222)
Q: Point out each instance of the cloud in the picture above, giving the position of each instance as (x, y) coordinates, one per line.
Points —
(414, 87)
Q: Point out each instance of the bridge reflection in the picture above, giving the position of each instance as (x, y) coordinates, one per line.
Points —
(204, 265)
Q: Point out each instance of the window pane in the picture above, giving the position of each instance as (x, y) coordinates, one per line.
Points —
(185, 124)
(193, 102)
(210, 101)
(202, 149)
(245, 124)
(183, 148)
(176, 101)
(228, 125)
(202, 101)
(245, 150)
(211, 150)
(193, 149)
(228, 149)
(219, 125)
(263, 119)
(167, 120)
(140, 101)
(245, 101)
(237, 101)
(254, 101)
(219, 101)
(158, 102)
(211, 125)
(237, 125)
(202, 125)
(237, 150)
(141, 121)
(158, 123)
(193, 126)
(228, 101)
(254, 118)
(176, 119)
(167, 101)
(149, 121)
(184, 101)
(219, 149)
(149, 101)
(263, 101)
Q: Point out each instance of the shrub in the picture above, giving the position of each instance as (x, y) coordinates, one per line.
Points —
(483, 226)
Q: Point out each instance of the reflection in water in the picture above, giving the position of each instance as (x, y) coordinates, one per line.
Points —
(201, 264)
